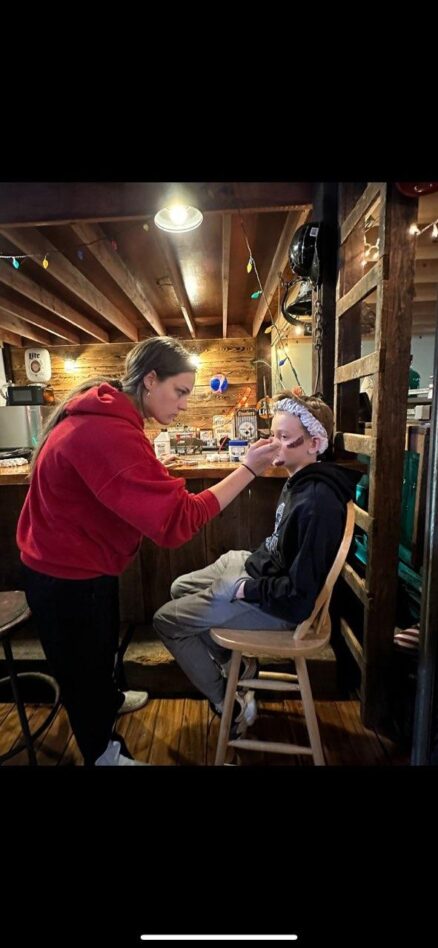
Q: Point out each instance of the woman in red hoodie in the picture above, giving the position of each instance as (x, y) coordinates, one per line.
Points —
(97, 488)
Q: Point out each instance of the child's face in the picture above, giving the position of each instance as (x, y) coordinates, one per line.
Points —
(297, 447)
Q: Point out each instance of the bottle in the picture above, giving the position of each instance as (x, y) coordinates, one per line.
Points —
(162, 444)
(237, 449)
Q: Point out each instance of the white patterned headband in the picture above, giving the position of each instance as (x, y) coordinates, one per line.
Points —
(310, 423)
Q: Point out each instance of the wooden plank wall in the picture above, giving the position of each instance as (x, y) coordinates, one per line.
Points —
(233, 357)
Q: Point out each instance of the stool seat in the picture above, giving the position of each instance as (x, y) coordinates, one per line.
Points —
(14, 611)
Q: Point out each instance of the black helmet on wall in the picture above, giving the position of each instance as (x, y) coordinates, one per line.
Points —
(296, 304)
(303, 251)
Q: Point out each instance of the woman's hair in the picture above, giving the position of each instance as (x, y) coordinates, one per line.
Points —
(314, 404)
(161, 354)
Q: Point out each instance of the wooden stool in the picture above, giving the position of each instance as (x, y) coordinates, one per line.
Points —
(13, 612)
(298, 644)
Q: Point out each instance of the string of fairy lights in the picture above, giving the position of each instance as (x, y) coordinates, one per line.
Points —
(281, 336)
(417, 231)
(371, 250)
(43, 258)
(17, 258)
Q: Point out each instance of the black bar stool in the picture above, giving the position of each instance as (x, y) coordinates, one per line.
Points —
(13, 613)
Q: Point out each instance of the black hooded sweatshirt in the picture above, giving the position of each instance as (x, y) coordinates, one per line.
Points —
(290, 567)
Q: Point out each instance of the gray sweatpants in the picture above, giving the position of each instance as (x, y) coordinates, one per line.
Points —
(202, 600)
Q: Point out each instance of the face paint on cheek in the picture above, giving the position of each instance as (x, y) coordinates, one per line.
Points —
(297, 443)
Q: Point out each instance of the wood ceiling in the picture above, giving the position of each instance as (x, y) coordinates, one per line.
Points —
(113, 276)
(110, 280)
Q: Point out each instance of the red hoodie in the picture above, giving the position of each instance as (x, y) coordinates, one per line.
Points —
(97, 488)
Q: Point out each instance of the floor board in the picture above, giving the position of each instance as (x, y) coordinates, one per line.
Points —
(183, 732)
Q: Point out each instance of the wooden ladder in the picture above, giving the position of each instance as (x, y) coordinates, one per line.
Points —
(384, 279)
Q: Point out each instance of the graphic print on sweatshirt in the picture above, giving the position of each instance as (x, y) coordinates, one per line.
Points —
(271, 542)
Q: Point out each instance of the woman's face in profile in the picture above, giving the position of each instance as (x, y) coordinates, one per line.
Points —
(169, 397)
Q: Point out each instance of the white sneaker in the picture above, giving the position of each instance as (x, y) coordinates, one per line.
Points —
(134, 700)
(112, 757)
(248, 668)
(248, 705)
(244, 713)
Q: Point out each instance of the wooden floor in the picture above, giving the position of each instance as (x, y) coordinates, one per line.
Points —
(183, 732)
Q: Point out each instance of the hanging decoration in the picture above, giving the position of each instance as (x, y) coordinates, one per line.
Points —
(219, 384)
(260, 292)
(416, 189)
(242, 402)
(265, 404)
(415, 231)
(37, 364)
(17, 258)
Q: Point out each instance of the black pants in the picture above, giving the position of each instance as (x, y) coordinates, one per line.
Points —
(78, 625)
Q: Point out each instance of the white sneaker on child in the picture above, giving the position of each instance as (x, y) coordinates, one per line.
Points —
(248, 710)
(248, 668)
(112, 757)
(244, 713)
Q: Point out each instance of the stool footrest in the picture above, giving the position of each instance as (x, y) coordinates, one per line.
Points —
(47, 679)
(267, 685)
(272, 746)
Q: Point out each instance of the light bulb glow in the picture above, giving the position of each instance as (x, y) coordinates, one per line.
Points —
(178, 218)
(178, 214)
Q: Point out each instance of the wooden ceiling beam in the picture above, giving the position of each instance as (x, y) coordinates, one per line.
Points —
(32, 242)
(208, 321)
(42, 203)
(177, 281)
(17, 309)
(226, 247)
(14, 324)
(22, 284)
(95, 237)
(11, 338)
(236, 329)
(175, 321)
(293, 220)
